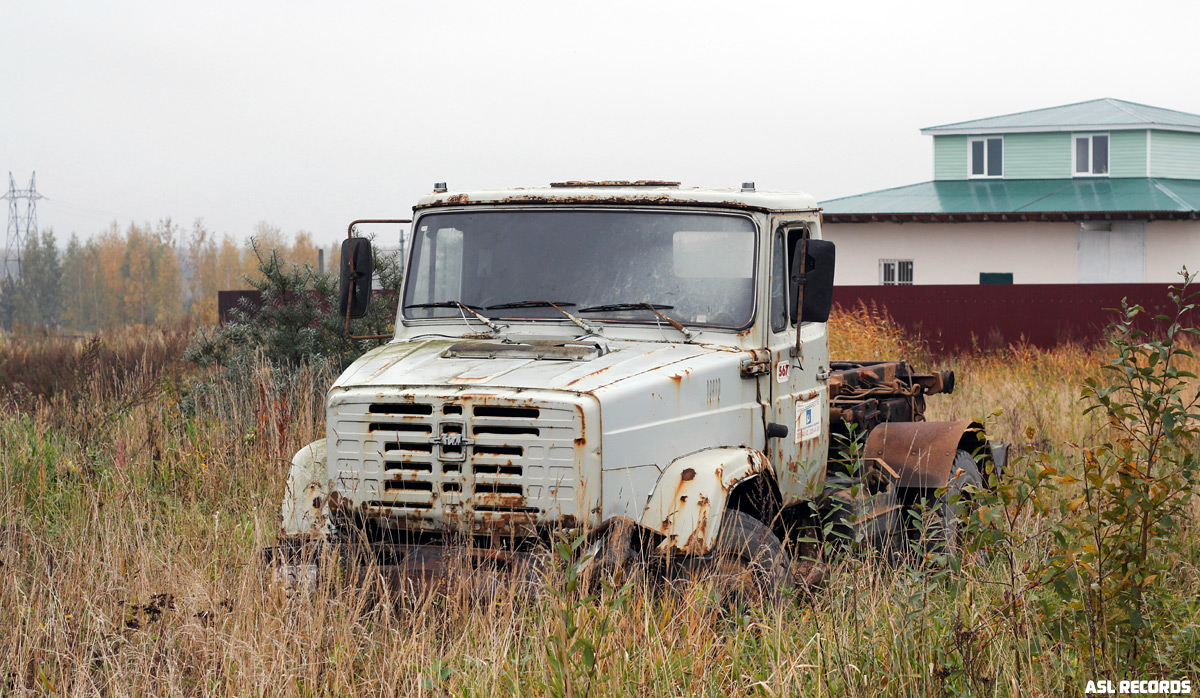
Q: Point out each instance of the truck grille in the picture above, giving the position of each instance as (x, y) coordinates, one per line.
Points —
(434, 461)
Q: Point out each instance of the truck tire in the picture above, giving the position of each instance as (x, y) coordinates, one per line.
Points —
(611, 555)
(749, 557)
(941, 517)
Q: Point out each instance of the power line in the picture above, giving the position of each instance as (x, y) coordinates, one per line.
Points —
(19, 226)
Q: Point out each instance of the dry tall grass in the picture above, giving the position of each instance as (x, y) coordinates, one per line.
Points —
(133, 505)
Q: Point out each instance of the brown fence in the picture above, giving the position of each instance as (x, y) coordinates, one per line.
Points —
(960, 317)
(951, 318)
(228, 300)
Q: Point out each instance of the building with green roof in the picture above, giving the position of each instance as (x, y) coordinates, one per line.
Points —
(1104, 191)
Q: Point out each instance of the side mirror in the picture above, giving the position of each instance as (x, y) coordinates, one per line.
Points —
(358, 267)
(815, 275)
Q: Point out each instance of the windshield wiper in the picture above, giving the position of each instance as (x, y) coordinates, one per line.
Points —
(444, 304)
(547, 304)
(624, 306)
(459, 304)
(529, 304)
(652, 307)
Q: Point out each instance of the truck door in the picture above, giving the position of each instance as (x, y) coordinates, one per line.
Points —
(799, 398)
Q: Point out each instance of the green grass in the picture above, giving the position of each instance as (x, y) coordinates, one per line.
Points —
(131, 521)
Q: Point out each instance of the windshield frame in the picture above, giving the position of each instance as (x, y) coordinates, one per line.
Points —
(633, 321)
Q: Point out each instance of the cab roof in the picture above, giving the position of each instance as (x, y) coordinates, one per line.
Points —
(625, 193)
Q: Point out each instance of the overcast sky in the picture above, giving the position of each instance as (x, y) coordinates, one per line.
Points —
(309, 114)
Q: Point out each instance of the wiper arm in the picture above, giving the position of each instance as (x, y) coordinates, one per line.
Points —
(623, 306)
(547, 304)
(652, 307)
(459, 304)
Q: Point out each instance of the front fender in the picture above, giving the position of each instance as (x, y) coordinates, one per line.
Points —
(305, 509)
(688, 502)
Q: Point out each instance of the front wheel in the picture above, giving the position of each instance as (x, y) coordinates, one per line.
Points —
(749, 557)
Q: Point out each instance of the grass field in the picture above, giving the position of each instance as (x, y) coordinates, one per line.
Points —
(136, 493)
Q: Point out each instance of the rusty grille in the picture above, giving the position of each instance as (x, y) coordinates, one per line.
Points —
(431, 460)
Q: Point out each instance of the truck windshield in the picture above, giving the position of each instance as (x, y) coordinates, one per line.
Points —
(607, 265)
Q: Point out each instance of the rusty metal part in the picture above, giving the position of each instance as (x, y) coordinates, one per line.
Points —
(689, 500)
(674, 323)
(615, 183)
(435, 562)
(935, 382)
(406, 568)
(879, 474)
(922, 453)
(531, 349)
(350, 235)
(867, 394)
(647, 200)
(305, 512)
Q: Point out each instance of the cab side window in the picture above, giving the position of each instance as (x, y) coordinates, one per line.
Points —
(779, 285)
(784, 250)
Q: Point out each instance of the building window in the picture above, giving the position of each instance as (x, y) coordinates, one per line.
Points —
(1091, 155)
(893, 272)
(987, 157)
(995, 277)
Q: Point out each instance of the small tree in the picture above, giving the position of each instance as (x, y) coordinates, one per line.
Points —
(296, 320)
(38, 290)
(1120, 540)
(8, 302)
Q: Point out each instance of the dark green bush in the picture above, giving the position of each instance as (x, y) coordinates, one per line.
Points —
(296, 321)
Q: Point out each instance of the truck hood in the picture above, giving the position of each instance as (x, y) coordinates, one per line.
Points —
(575, 367)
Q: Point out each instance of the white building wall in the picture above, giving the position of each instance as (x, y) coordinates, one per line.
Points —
(1033, 252)
(955, 253)
(1169, 246)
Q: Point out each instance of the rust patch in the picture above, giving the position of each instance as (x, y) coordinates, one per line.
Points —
(688, 474)
(614, 183)
(695, 542)
(589, 375)
(457, 199)
(677, 377)
(568, 521)
(663, 200)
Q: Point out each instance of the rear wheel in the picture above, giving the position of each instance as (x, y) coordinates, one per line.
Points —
(749, 558)
(939, 524)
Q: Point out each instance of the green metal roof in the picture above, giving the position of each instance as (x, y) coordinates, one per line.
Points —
(1038, 198)
(1097, 114)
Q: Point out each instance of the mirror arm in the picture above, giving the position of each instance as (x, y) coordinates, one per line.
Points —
(353, 277)
(801, 277)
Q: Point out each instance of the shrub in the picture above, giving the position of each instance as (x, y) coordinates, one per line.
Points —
(1120, 540)
(296, 321)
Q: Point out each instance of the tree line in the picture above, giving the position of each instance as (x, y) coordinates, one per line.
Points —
(142, 275)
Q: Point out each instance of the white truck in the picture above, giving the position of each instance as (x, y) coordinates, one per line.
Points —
(639, 362)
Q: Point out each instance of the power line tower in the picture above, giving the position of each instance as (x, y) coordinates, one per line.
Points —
(20, 227)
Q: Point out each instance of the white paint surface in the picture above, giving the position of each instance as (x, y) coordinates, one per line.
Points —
(1034, 252)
